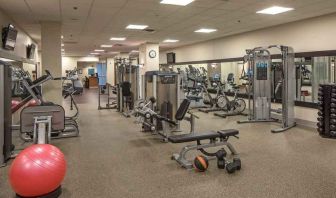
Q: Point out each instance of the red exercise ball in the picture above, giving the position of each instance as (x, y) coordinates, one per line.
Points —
(15, 102)
(32, 103)
(37, 170)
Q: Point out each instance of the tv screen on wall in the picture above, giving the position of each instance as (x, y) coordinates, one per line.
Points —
(170, 58)
(9, 35)
(31, 51)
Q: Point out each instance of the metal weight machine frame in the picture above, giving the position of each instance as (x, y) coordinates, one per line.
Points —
(125, 71)
(260, 83)
(5, 114)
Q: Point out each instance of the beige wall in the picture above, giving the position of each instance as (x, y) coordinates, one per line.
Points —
(316, 34)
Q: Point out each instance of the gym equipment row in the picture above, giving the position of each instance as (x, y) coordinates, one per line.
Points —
(326, 124)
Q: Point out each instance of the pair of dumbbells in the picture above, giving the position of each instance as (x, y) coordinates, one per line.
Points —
(223, 163)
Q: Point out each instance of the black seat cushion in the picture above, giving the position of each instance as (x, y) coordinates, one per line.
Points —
(182, 110)
(228, 132)
(194, 97)
(126, 88)
(193, 137)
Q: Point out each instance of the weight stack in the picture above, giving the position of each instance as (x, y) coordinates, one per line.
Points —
(326, 121)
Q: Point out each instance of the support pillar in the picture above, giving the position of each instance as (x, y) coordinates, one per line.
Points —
(51, 33)
(149, 57)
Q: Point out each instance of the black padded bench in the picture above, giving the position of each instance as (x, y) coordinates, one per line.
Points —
(219, 138)
(194, 98)
(203, 136)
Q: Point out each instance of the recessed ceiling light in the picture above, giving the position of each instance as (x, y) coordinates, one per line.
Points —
(6, 60)
(170, 41)
(136, 27)
(99, 50)
(177, 2)
(62, 50)
(62, 45)
(205, 30)
(106, 46)
(275, 10)
(94, 53)
(62, 37)
(117, 38)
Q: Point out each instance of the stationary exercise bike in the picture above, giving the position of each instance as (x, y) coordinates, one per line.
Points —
(216, 103)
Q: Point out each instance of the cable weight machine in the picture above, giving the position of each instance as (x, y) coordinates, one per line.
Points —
(260, 86)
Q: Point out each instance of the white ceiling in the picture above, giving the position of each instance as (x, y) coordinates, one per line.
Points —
(95, 21)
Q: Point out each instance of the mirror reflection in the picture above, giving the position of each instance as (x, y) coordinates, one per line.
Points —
(310, 72)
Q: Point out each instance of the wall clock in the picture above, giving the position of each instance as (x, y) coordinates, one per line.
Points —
(152, 54)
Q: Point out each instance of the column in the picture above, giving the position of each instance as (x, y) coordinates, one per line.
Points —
(149, 57)
(51, 33)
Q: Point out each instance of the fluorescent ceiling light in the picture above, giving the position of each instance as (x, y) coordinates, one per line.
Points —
(275, 10)
(99, 50)
(170, 41)
(94, 53)
(62, 50)
(117, 38)
(6, 60)
(205, 30)
(137, 27)
(106, 46)
(62, 45)
(177, 2)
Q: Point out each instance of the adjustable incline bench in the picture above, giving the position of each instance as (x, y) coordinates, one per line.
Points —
(216, 139)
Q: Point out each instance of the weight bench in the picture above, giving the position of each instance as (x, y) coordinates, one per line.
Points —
(219, 138)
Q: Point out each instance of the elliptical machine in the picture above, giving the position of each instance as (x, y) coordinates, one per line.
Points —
(46, 120)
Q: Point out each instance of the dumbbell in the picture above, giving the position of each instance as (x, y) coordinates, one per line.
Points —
(333, 133)
(333, 110)
(333, 127)
(333, 90)
(320, 119)
(333, 104)
(333, 116)
(333, 121)
(320, 98)
(233, 166)
(221, 154)
(320, 113)
(333, 95)
(320, 124)
(320, 103)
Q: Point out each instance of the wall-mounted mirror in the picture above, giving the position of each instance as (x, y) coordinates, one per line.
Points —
(310, 72)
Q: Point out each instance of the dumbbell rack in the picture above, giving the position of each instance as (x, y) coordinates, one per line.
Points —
(326, 124)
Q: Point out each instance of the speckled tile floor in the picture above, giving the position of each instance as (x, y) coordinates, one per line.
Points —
(112, 158)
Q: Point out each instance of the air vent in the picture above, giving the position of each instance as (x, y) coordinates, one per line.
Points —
(149, 30)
